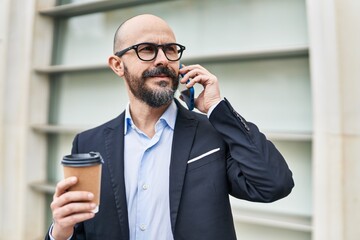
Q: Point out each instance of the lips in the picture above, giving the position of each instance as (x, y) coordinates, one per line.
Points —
(161, 76)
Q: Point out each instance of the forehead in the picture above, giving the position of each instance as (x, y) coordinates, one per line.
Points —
(146, 29)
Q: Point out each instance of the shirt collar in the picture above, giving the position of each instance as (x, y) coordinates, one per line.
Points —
(169, 116)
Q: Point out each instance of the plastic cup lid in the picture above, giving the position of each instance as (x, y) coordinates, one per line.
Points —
(82, 159)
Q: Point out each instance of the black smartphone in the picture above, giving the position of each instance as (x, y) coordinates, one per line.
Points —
(188, 94)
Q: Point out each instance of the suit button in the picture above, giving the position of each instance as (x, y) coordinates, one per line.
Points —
(242, 120)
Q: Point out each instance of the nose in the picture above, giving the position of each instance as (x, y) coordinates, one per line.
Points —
(161, 59)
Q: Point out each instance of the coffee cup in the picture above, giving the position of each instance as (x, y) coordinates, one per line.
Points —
(87, 168)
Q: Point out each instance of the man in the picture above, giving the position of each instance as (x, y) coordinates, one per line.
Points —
(168, 172)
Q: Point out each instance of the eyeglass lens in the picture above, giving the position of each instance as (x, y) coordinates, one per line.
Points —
(148, 51)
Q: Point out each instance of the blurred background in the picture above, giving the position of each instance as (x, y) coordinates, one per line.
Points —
(290, 66)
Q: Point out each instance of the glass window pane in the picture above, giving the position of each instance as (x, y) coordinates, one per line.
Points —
(275, 94)
(299, 202)
(87, 99)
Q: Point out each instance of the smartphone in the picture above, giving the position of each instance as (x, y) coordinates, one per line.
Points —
(188, 94)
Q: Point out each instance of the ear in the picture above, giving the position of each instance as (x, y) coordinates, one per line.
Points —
(116, 65)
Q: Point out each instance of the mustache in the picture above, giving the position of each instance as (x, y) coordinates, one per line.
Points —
(160, 71)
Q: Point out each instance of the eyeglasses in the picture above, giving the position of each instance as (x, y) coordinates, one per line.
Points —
(148, 51)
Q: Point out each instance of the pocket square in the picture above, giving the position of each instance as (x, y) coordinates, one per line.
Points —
(203, 155)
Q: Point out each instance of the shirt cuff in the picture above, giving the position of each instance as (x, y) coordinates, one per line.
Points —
(50, 231)
(212, 108)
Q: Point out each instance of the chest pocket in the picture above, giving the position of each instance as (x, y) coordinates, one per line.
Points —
(206, 158)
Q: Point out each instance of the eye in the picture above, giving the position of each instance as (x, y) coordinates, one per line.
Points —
(146, 48)
(171, 48)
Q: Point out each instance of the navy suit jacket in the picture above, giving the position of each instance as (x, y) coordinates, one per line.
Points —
(247, 166)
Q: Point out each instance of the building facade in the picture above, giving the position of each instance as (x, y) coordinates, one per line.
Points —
(290, 66)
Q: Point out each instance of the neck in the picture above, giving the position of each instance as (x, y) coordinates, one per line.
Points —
(145, 117)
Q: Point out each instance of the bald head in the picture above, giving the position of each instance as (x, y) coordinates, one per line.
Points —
(142, 28)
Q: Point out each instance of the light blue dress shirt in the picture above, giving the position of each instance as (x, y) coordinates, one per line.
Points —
(146, 169)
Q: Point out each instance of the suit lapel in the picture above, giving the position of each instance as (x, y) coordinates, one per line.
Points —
(184, 133)
(114, 145)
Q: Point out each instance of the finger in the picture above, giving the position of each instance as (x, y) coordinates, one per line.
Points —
(191, 71)
(202, 79)
(64, 185)
(73, 219)
(73, 208)
(71, 196)
(191, 75)
(186, 69)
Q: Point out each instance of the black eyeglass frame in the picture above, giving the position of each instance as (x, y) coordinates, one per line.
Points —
(157, 46)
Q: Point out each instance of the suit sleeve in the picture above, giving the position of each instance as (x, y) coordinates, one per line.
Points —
(256, 170)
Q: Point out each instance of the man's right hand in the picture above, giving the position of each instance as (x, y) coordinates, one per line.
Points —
(69, 208)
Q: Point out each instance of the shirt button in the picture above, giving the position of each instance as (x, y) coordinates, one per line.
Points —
(145, 187)
(142, 227)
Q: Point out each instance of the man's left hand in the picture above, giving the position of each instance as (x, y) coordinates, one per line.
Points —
(211, 92)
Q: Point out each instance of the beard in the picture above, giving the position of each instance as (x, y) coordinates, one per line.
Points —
(153, 97)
